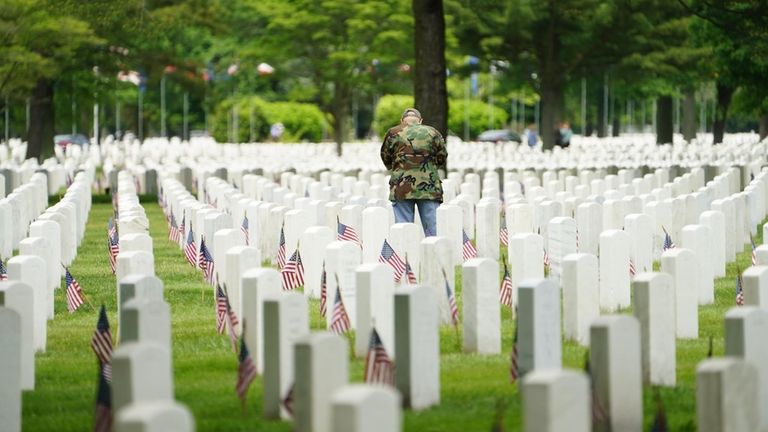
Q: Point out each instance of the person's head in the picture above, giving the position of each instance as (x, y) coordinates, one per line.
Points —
(411, 116)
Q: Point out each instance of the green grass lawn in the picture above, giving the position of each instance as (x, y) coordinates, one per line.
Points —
(474, 388)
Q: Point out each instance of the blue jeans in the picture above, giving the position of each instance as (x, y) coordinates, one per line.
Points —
(427, 213)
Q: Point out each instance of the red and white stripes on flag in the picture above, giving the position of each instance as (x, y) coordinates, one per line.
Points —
(206, 263)
(546, 259)
(340, 320)
(173, 230)
(505, 292)
(323, 293)
(346, 233)
(504, 232)
(754, 250)
(113, 244)
(232, 321)
(244, 229)
(190, 250)
(468, 250)
(454, 309)
(293, 272)
(409, 274)
(101, 342)
(221, 310)
(246, 371)
(281, 248)
(74, 293)
(389, 256)
(739, 289)
(632, 268)
(379, 368)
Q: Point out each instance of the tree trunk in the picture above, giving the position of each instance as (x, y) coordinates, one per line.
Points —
(429, 89)
(615, 124)
(41, 121)
(551, 111)
(724, 94)
(339, 110)
(551, 79)
(689, 115)
(664, 121)
(602, 126)
(763, 128)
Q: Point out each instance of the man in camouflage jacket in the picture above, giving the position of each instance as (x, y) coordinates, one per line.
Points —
(413, 153)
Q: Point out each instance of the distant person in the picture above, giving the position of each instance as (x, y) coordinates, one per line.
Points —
(565, 133)
(276, 131)
(530, 135)
(413, 153)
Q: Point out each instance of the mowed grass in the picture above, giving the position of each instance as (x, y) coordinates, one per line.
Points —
(475, 389)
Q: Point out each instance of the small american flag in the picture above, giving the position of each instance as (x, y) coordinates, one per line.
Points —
(190, 250)
(246, 371)
(233, 321)
(181, 230)
(754, 250)
(206, 262)
(389, 256)
(632, 269)
(323, 293)
(111, 227)
(74, 293)
(113, 245)
(668, 243)
(293, 272)
(340, 320)
(409, 274)
(598, 410)
(101, 343)
(244, 229)
(346, 233)
(468, 249)
(505, 293)
(739, 290)
(547, 263)
(102, 418)
(173, 230)
(504, 232)
(379, 368)
(281, 248)
(514, 369)
(3, 271)
(452, 304)
(221, 310)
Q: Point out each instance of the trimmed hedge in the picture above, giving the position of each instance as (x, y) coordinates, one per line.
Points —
(479, 117)
(302, 121)
(388, 112)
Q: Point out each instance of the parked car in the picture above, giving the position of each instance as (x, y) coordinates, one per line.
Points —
(64, 141)
(499, 135)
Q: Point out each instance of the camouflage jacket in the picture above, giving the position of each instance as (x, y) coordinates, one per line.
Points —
(413, 154)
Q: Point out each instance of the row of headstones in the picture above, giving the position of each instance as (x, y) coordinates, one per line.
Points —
(33, 275)
(12, 176)
(625, 352)
(142, 371)
(315, 157)
(22, 206)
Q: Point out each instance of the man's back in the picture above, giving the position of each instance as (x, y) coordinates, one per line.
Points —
(413, 153)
